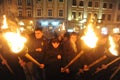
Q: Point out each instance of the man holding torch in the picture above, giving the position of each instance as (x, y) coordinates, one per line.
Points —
(36, 45)
(10, 60)
(70, 50)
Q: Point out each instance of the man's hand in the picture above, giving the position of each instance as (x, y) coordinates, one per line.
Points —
(65, 70)
(22, 63)
(39, 49)
(4, 62)
(42, 66)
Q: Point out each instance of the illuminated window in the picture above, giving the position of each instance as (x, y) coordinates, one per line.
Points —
(80, 15)
(104, 31)
(73, 15)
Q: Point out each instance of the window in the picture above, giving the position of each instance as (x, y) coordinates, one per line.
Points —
(38, 1)
(110, 6)
(20, 13)
(80, 15)
(118, 18)
(29, 14)
(9, 1)
(103, 16)
(29, 2)
(61, 13)
(19, 2)
(49, 12)
(73, 15)
(109, 17)
(81, 3)
(50, 0)
(119, 6)
(96, 4)
(104, 5)
(38, 12)
(74, 2)
(61, 0)
(90, 4)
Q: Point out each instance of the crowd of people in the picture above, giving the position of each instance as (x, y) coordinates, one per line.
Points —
(53, 55)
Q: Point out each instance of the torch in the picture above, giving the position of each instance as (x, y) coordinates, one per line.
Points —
(115, 72)
(89, 38)
(108, 64)
(112, 50)
(16, 42)
(93, 63)
(7, 65)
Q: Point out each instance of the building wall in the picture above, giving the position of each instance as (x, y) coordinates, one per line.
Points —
(29, 12)
(110, 13)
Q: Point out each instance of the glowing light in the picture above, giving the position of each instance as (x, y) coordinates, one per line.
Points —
(55, 23)
(15, 41)
(116, 30)
(63, 26)
(44, 23)
(112, 48)
(5, 26)
(90, 38)
(104, 31)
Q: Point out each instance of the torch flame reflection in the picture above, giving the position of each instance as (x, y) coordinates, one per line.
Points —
(112, 46)
(90, 39)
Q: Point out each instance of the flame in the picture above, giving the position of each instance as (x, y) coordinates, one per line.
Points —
(15, 41)
(90, 38)
(63, 26)
(5, 26)
(112, 48)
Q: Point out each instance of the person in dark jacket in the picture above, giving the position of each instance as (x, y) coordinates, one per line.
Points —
(36, 46)
(52, 60)
(70, 50)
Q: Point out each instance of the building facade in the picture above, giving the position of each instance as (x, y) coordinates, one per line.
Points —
(73, 13)
(106, 12)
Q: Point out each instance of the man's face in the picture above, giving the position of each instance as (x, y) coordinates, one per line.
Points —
(38, 34)
(73, 38)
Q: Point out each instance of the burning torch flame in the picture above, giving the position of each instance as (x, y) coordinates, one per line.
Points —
(90, 38)
(112, 47)
(15, 41)
(5, 26)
